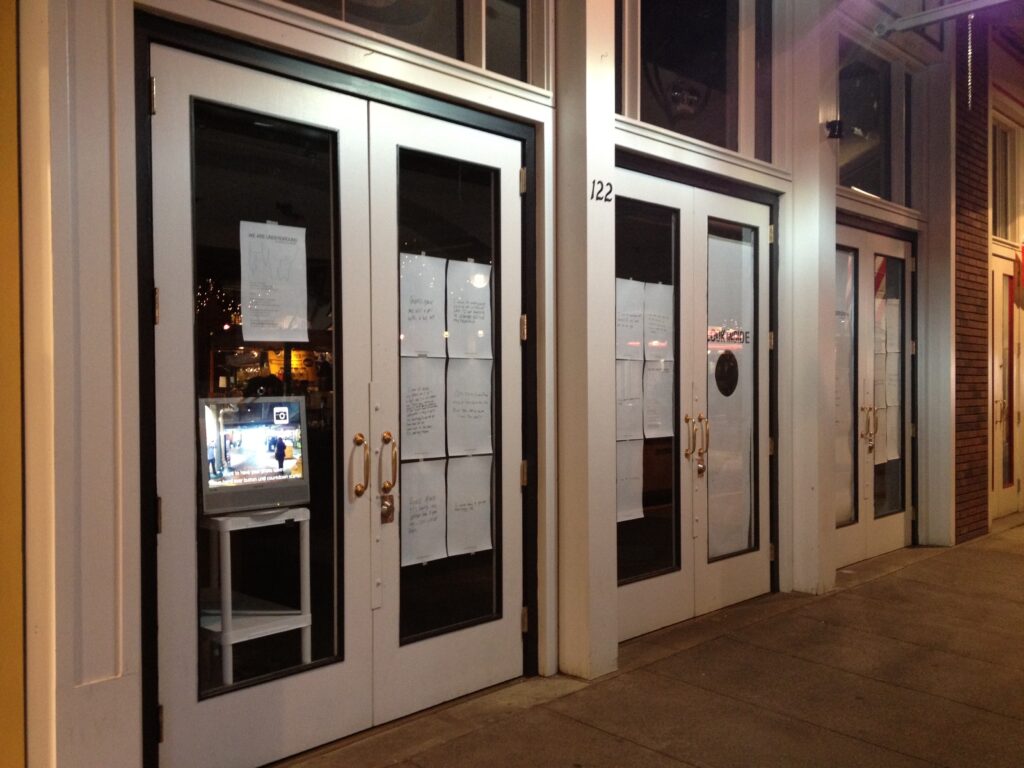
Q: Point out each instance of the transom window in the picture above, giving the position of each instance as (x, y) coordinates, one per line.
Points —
(1004, 182)
(488, 33)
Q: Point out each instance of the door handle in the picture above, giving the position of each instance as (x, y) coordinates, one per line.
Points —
(702, 466)
(691, 442)
(868, 432)
(360, 488)
(388, 485)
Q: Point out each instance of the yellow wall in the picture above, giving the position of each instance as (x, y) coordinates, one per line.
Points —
(12, 667)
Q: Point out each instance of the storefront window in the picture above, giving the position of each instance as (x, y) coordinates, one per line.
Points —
(865, 157)
(442, 26)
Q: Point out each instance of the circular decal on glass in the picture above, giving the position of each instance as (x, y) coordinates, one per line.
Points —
(727, 373)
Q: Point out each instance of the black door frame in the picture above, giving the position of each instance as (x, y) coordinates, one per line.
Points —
(150, 30)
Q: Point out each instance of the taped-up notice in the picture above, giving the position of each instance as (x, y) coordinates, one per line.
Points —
(469, 309)
(423, 511)
(878, 379)
(629, 319)
(469, 407)
(892, 379)
(881, 325)
(894, 431)
(421, 299)
(893, 326)
(469, 505)
(659, 319)
(629, 400)
(659, 380)
(629, 480)
(273, 283)
(423, 407)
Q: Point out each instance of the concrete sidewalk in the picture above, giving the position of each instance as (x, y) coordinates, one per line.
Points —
(916, 659)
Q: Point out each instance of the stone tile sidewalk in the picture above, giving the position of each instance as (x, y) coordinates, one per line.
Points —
(916, 659)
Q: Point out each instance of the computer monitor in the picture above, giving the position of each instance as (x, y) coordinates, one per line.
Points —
(252, 453)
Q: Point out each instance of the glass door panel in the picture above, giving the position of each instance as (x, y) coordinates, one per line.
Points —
(732, 401)
(647, 460)
(1004, 406)
(846, 388)
(888, 379)
(450, 415)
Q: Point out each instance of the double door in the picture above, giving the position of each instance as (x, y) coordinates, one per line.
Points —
(1004, 376)
(873, 352)
(338, 411)
(692, 401)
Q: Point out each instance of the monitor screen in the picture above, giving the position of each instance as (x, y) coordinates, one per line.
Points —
(252, 455)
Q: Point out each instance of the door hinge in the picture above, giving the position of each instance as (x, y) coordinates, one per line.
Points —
(913, 430)
(913, 347)
(771, 340)
(771, 551)
(524, 620)
(160, 723)
(1018, 485)
(771, 234)
(522, 328)
(523, 473)
(913, 264)
(159, 515)
(152, 95)
(156, 306)
(771, 446)
(522, 181)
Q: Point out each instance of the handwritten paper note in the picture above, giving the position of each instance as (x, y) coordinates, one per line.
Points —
(892, 379)
(273, 282)
(659, 321)
(629, 319)
(879, 381)
(421, 300)
(892, 325)
(893, 430)
(469, 505)
(423, 509)
(629, 480)
(658, 400)
(469, 309)
(469, 406)
(423, 403)
(629, 399)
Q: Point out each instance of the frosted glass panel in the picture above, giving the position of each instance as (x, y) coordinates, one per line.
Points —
(732, 396)
(845, 428)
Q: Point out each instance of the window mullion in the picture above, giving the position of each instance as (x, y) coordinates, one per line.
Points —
(474, 35)
(631, 61)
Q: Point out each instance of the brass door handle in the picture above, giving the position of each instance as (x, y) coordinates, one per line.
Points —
(360, 439)
(702, 466)
(691, 443)
(388, 485)
(868, 433)
(706, 442)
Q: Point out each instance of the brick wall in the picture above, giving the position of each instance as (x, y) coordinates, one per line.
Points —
(972, 270)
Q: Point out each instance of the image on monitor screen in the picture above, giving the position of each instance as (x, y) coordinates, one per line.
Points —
(253, 453)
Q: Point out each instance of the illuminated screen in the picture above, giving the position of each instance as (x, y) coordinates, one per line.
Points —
(251, 453)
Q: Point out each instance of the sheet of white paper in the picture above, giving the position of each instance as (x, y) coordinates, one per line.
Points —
(893, 432)
(659, 320)
(881, 443)
(658, 400)
(880, 326)
(421, 299)
(892, 379)
(629, 399)
(423, 508)
(629, 319)
(273, 282)
(879, 381)
(469, 406)
(629, 479)
(423, 404)
(469, 309)
(469, 505)
(892, 325)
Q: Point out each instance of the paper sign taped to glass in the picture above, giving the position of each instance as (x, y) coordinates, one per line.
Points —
(421, 305)
(273, 288)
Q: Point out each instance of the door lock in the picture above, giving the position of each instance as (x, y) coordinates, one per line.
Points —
(387, 509)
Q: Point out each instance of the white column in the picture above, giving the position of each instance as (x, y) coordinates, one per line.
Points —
(807, 305)
(585, 291)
